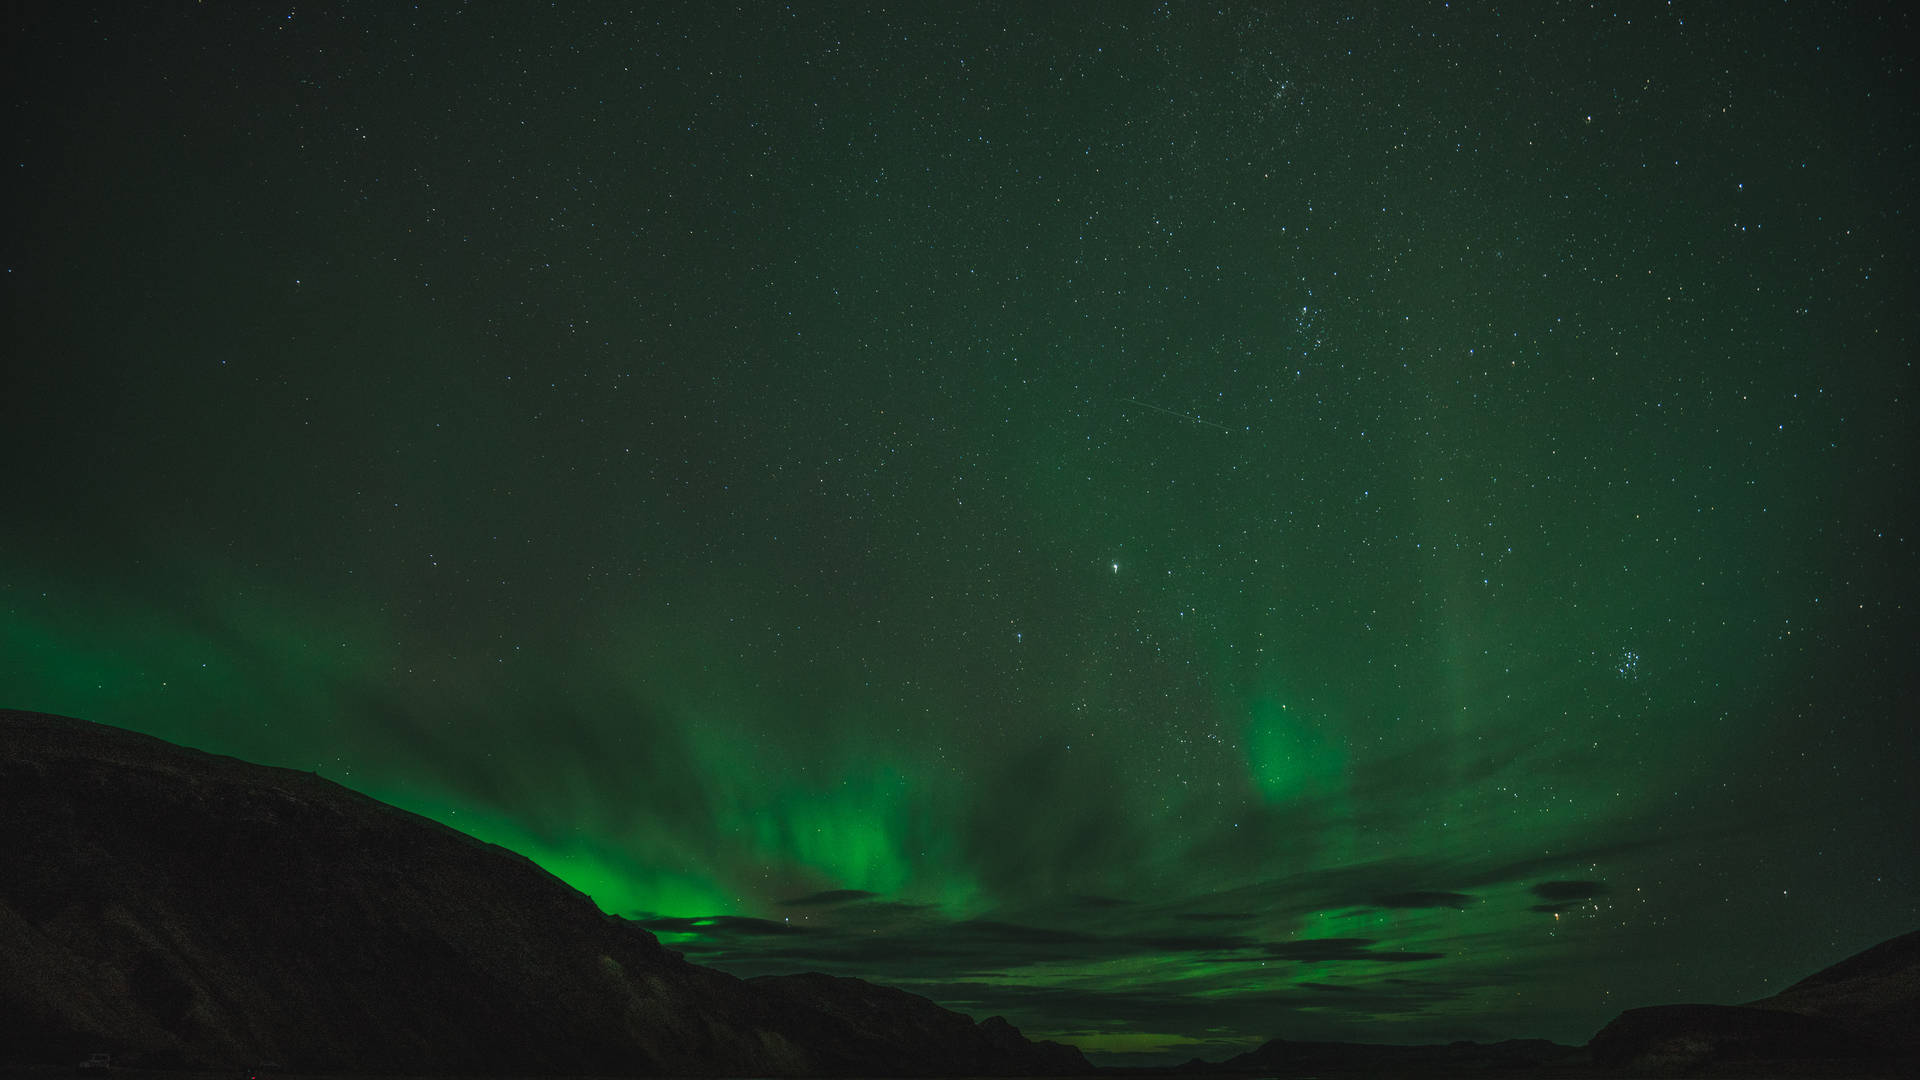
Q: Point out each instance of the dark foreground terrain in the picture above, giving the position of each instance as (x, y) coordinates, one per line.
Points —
(1858, 1017)
(197, 914)
(189, 911)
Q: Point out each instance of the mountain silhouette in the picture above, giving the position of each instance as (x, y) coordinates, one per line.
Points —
(1514, 1057)
(1864, 1010)
(180, 909)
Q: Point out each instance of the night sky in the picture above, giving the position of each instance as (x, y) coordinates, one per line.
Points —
(1176, 524)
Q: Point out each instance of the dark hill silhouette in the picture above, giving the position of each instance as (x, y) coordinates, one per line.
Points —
(182, 909)
(1515, 1057)
(1874, 995)
(1859, 1017)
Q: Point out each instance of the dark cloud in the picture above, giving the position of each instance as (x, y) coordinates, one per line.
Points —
(882, 909)
(1197, 942)
(1483, 873)
(720, 926)
(1403, 956)
(1327, 949)
(1562, 896)
(1431, 899)
(1340, 1010)
(1569, 890)
(900, 951)
(829, 897)
(1381, 883)
(852, 932)
(921, 948)
(987, 930)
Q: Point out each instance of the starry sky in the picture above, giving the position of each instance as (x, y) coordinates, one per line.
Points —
(1178, 524)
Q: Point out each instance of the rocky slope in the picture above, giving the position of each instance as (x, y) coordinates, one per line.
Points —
(1861, 1016)
(188, 910)
(1874, 995)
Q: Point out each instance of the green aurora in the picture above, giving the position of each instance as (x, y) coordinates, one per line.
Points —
(1175, 524)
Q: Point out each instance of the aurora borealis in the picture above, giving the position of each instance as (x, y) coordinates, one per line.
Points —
(1177, 524)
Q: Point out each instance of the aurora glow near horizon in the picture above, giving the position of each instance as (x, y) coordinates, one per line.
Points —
(1177, 525)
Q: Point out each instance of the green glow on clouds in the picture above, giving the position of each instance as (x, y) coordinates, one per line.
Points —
(1218, 553)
